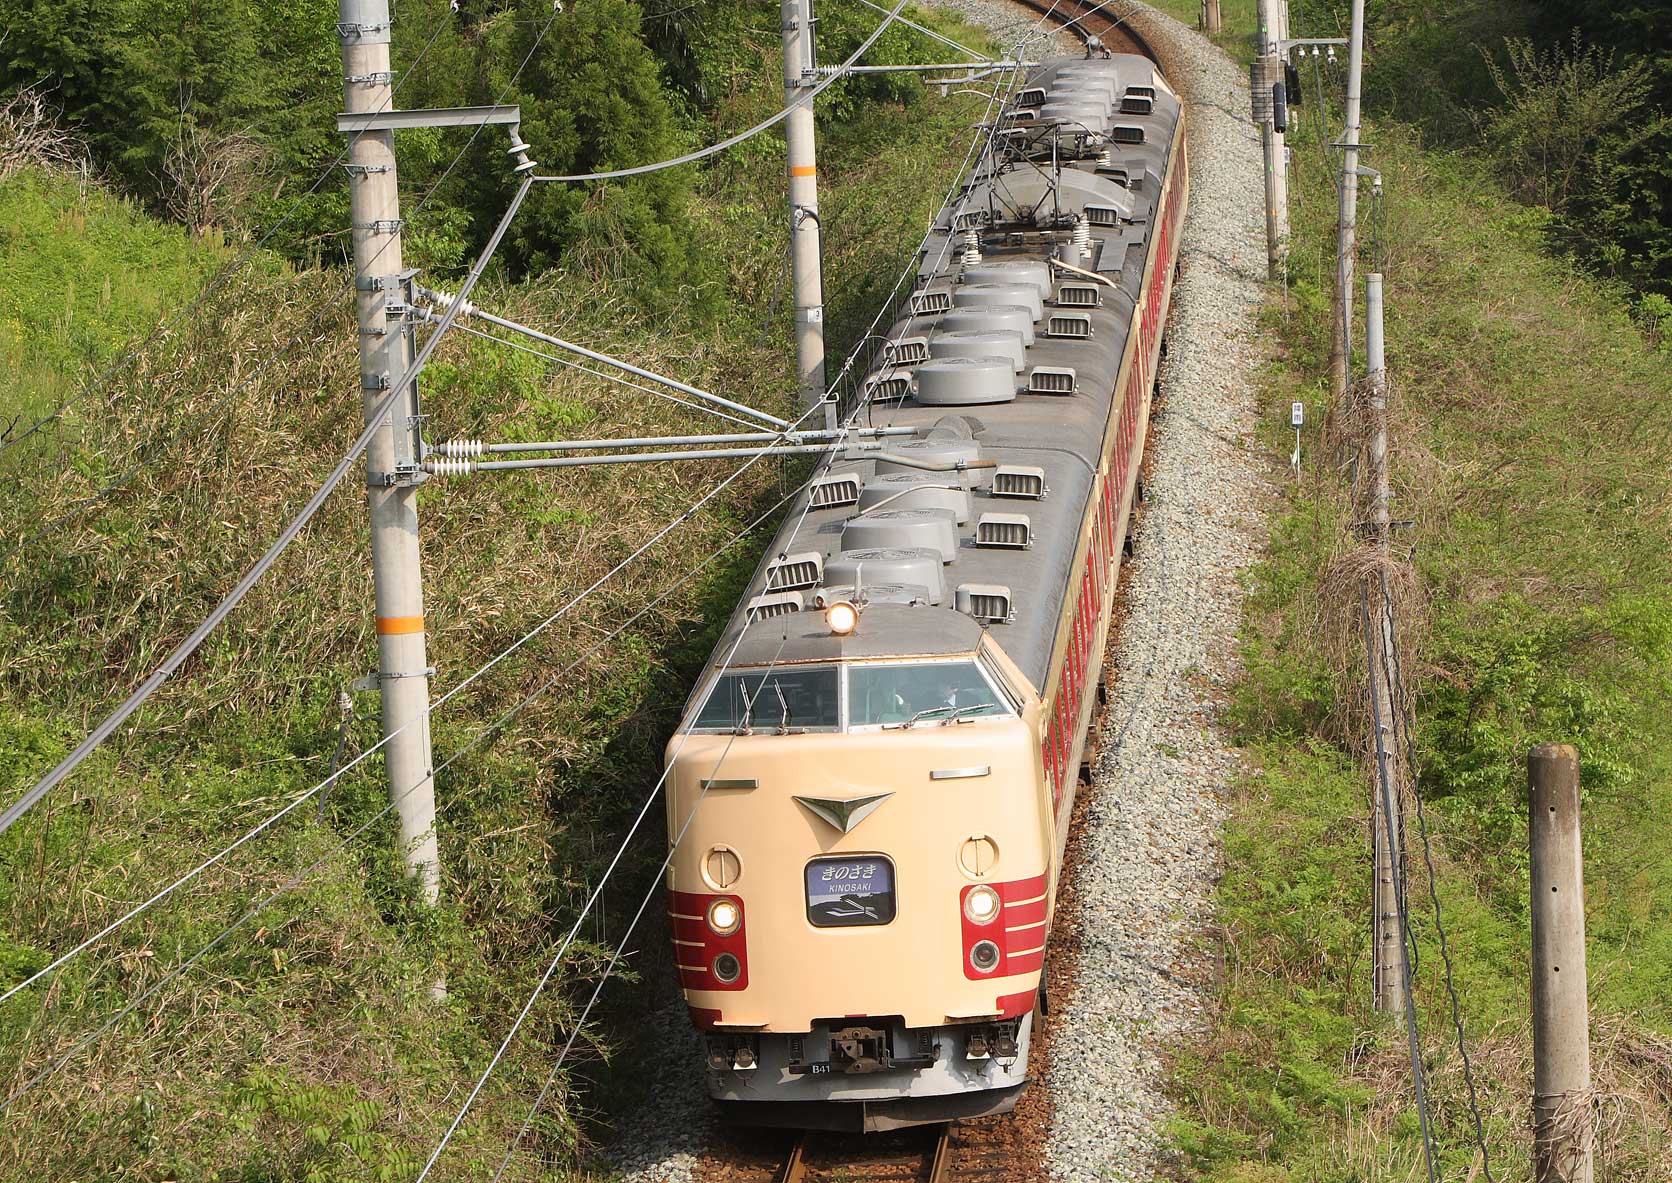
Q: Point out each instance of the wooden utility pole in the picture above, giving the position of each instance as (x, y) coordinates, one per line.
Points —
(1387, 824)
(1562, 1123)
(393, 459)
(1210, 16)
(1346, 244)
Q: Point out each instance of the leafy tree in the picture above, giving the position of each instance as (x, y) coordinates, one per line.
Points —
(592, 100)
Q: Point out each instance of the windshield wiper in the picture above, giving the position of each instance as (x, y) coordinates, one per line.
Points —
(953, 713)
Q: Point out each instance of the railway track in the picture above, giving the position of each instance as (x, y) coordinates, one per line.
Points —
(1103, 19)
(952, 1153)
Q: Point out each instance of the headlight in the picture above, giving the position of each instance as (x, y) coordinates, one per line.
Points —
(842, 617)
(981, 904)
(724, 916)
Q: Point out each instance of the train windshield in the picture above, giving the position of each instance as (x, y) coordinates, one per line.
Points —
(920, 692)
(771, 700)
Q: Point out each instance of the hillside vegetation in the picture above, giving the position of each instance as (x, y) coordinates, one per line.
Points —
(1531, 433)
(306, 1046)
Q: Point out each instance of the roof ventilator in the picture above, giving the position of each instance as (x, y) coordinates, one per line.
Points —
(1052, 380)
(1073, 325)
(798, 570)
(1136, 104)
(1126, 133)
(830, 491)
(1142, 92)
(1012, 530)
(1079, 295)
(930, 302)
(1103, 215)
(1023, 115)
(907, 351)
(1019, 480)
(775, 604)
(894, 386)
(1031, 96)
(989, 602)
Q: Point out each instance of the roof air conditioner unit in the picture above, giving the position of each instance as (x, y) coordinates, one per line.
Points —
(797, 570)
(891, 387)
(828, 492)
(1012, 530)
(989, 602)
(1073, 325)
(775, 604)
(1019, 480)
(907, 351)
(1053, 380)
(929, 302)
(1079, 295)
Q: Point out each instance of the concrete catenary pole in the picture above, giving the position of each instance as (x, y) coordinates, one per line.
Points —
(1346, 244)
(1387, 832)
(1562, 1121)
(805, 231)
(1269, 70)
(392, 459)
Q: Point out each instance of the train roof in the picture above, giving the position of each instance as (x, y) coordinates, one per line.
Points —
(1026, 213)
(886, 630)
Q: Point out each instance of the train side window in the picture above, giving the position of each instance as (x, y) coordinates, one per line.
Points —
(769, 700)
(920, 692)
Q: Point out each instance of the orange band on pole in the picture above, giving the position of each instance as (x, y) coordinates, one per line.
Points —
(804, 170)
(392, 626)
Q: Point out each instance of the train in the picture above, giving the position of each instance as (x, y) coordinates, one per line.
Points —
(869, 791)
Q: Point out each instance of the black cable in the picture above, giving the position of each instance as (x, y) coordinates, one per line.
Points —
(1402, 718)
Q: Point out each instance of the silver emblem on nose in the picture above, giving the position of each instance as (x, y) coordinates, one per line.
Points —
(842, 813)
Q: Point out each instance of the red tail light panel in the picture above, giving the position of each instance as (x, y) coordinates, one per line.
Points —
(695, 945)
(1018, 930)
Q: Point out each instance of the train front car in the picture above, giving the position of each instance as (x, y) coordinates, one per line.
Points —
(859, 901)
(870, 791)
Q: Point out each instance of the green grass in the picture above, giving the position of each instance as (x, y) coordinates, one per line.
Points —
(1532, 426)
(86, 272)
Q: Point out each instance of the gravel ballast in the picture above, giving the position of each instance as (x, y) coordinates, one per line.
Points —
(1148, 847)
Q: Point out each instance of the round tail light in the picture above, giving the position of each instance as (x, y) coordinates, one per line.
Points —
(727, 966)
(724, 916)
(981, 904)
(984, 957)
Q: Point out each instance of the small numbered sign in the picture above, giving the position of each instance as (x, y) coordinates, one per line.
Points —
(1297, 414)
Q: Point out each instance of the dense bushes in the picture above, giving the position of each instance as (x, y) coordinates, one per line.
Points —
(1573, 101)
